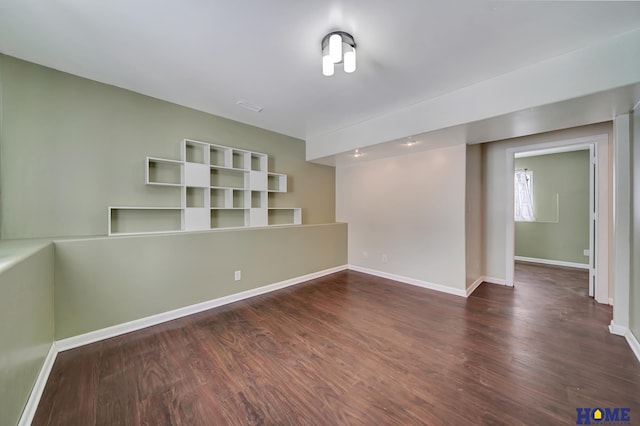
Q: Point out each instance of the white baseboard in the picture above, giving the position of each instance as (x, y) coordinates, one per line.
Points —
(473, 286)
(633, 343)
(127, 327)
(412, 281)
(552, 262)
(492, 280)
(632, 340)
(36, 393)
(616, 329)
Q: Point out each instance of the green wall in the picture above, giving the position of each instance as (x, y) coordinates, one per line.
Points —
(560, 237)
(102, 282)
(72, 146)
(26, 321)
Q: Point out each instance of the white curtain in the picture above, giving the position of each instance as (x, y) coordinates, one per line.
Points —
(523, 195)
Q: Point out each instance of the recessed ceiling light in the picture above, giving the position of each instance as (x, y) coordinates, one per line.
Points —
(250, 107)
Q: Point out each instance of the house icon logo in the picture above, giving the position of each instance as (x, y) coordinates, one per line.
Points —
(596, 415)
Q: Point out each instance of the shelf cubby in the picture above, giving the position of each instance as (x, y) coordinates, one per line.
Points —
(229, 178)
(240, 159)
(219, 156)
(276, 182)
(258, 199)
(258, 162)
(159, 171)
(285, 216)
(221, 197)
(240, 199)
(195, 197)
(195, 152)
(144, 220)
(229, 218)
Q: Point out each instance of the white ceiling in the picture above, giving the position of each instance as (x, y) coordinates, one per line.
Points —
(209, 54)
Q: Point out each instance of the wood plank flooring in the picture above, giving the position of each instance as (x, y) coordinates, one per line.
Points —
(351, 348)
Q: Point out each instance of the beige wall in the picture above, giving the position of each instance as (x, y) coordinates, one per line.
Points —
(495, 208)
(410, 208)
(72, 146)
(473, 215)
(26, 321)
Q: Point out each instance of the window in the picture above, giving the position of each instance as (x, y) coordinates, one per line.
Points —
(523, 196)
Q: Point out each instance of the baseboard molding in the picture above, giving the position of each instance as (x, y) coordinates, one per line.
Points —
(475, 285)
(38, 388)
(632, 340)
(492, 280)
(633, 343)
(617, 329)
(552, 262)
(412, 281)
(116, 330)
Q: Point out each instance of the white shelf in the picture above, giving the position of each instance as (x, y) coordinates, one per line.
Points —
(221, 187)
(163, 172)
(178, 185)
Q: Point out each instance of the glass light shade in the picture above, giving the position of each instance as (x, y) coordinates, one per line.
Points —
(350, 60)
(335, 48)
(327, 66)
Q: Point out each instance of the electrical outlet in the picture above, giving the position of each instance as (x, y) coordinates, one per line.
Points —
(384, 258)
(586, 252)
(237, 275)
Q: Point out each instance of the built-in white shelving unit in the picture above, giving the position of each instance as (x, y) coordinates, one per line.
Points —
(220, 187)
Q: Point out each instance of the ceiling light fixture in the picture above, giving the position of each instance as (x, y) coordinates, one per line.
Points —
(410, 142)
(358, 153)
(338, 47)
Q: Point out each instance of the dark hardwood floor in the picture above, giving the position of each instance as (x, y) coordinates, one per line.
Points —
(351, 348)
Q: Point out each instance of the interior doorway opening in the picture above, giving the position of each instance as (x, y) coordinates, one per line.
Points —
(553, 201)
(597, 218)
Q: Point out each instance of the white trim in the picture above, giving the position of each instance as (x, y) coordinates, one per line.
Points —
(611, 301)
(36, 393)
(497, 281)
(618, 330)
(473, 286)
(631, 339)
(419, 283)
(552, 262)
(127, 327)
(601, 142)
(633, 343)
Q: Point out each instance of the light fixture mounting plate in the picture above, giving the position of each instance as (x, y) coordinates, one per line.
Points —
(346, 38)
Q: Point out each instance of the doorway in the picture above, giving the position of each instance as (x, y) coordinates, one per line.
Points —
(554, 197)
(598, 250)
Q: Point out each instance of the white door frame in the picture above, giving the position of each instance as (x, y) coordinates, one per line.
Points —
(600, 209)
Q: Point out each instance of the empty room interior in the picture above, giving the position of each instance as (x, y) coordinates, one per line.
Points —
(339, 212)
